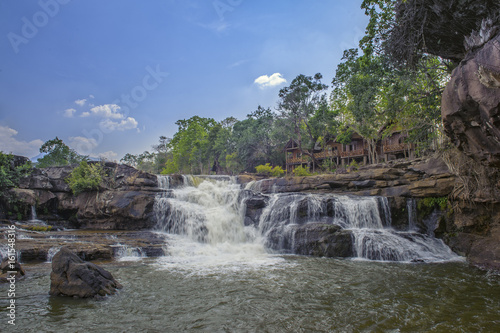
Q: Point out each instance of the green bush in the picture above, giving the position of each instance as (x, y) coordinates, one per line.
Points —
(277, 171)
(353, 165)
(300, 171)
(264, 169)
(85, 177)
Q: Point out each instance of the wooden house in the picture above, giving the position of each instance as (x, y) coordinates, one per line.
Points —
(395, 146)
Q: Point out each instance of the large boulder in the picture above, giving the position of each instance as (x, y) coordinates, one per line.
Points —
(324, 240)
(471, 104)
(71, 276)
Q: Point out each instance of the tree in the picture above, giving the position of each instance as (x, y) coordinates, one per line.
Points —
(10, 173)
(58, 154)
(298, 103)
(189, 146)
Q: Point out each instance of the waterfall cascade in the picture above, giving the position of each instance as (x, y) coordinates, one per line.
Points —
(212, 211)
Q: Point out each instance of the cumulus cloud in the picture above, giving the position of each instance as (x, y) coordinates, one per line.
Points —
(108, 111)
(265, 81)
(81, 102)
(125, 124)
(82, 145)
(9, 144)
(69, 113)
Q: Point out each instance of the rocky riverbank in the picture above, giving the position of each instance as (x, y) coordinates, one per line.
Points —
(121, 212)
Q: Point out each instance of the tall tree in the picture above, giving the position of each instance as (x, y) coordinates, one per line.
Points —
(58, 154)
(298, 103)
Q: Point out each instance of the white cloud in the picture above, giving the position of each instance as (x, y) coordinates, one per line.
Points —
(85, 114)
(82, 145)
(81, 102)
(9, 144)
(108, 156)
(91, 96)
(125, 124)
(69, 113)
(265, 81)
(109, 111)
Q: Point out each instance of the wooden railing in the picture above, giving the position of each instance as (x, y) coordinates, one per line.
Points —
(354, 153)
(319, 156)
(397, 147)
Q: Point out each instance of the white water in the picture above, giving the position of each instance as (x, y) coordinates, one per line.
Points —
(52, 252)
(127, 253)
(204, 219)
(204, 223)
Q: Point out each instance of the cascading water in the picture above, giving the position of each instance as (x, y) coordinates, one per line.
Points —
(204, 221)
(211, 214)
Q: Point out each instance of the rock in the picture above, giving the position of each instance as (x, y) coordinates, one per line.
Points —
(323, 240)
(7, 270)
(255, 203)
(471, 106)
(71, 276)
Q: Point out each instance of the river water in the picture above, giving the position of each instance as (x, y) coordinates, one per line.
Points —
(223, 275)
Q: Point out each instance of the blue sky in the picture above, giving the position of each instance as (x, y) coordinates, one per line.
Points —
(110, 77)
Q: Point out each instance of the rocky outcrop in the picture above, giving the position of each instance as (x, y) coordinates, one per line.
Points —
(36, 246)
(124, 201)
(471, 104)
(420, 179)
(71, 276)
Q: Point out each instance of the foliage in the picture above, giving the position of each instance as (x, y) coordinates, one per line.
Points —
(11, 174)
(85, 177)
(353, 165)
(264, 169)
(58, 154)
(300, 171)
(277, 171)
(299, 104)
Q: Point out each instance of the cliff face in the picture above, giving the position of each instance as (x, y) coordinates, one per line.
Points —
(471, 104)
(125, 202)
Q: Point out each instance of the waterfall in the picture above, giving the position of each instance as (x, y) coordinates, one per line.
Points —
(210, 213)
(411, 206)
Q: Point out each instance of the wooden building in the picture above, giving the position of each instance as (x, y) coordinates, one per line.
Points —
(391, 147)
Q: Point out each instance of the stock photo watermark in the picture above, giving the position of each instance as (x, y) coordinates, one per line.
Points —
(224, 6)
(124, 104)
(31, 25)
(11, 274)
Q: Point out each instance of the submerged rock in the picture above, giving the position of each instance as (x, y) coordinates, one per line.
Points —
(71, 276)
(7, 269)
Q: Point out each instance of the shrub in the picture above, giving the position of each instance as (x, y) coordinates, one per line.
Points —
(277, 171)
(353, 165)
(85, 177)
(300, 171)
(264, 169)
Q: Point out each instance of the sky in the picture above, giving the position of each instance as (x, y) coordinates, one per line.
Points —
(110, 77)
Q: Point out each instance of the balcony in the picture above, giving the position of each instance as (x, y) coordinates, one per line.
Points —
(396, 148)
(354, 153)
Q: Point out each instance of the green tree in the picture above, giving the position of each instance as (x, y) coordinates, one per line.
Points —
(298, 103)
(10, 174)
(189, 146)
(58, 154)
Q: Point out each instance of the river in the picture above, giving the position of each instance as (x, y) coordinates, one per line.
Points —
(221, 274)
